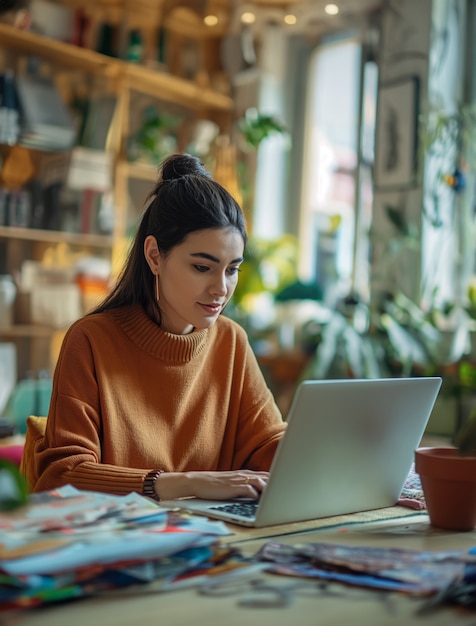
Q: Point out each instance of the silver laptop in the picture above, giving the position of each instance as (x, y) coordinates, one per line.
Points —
(348, 447)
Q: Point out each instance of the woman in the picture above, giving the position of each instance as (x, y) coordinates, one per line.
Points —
(155, 391)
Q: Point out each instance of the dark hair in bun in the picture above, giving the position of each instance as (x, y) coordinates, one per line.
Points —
(179, 165)
(185, 199)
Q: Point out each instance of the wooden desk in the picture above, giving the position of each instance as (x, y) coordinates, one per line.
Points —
(355, 608)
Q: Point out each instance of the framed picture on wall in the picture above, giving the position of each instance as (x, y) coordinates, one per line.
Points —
(396, 138)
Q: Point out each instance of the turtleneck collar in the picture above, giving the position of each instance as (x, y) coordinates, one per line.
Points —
(163, 345)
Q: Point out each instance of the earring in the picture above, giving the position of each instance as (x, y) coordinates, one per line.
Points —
(157, 296)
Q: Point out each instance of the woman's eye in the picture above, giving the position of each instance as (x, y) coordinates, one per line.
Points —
(233, 270)
(201, 268)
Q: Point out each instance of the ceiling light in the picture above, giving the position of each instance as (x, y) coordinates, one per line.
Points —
(210, 20)
(290, 19)
(248, 18)
(331, 9)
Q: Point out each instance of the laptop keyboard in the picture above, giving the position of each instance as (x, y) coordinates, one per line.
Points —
(245, 509)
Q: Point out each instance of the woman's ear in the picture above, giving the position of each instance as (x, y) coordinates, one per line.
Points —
(152, 253)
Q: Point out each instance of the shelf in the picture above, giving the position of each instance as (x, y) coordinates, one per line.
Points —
(58, 52)
(26, 330)
(51, 236)
(167, 87)
(150, 82)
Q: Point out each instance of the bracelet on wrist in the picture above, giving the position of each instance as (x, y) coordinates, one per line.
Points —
(148, 486)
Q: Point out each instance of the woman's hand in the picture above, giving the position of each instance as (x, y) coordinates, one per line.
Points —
(212, 485)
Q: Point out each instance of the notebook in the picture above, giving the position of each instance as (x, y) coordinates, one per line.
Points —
(348, 447)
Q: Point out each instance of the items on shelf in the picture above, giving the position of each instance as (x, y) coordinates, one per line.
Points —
(15, 208)
(8, 293)
(8, 374)
(57, 290)
(9, 114)
(45, 121)
(33, 114)
(90, 169)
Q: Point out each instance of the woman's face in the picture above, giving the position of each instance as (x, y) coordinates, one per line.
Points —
(197, 278)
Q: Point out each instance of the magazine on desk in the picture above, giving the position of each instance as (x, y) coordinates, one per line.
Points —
(68, 508)
(68, 543)
(416, 572)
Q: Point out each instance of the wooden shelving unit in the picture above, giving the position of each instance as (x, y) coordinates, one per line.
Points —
(126, 80)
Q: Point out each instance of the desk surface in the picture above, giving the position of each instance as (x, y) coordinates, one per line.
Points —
(354, 607)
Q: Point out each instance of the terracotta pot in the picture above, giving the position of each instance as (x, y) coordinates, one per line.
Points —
(448, 481)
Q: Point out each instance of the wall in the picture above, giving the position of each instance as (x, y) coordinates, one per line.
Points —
(404, 52)
(426, 40)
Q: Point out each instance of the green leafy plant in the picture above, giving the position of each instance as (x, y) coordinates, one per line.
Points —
(399, 339)
(251, 130)
(450, 133)
(344, 351)
(13, 489)
(155, 139)
(415, 336)
(256, 126)
(270, 265)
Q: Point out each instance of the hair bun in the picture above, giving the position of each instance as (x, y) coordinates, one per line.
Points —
(179, 165)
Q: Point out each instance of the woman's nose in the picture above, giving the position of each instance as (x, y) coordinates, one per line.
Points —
(219, 286)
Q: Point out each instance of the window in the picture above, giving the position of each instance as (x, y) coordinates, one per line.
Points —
(338, 157)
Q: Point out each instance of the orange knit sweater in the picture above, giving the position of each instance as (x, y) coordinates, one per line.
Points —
(128, 398)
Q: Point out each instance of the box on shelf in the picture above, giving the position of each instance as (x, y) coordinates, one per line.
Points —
(56, 306)
(47, 297)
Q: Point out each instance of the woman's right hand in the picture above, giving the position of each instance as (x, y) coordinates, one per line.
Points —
(212, 485)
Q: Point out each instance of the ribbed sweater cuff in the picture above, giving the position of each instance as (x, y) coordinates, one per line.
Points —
(107, 478)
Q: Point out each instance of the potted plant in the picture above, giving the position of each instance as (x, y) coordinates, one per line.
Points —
(448, 479)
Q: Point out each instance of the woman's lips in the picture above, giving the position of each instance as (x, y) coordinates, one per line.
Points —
(211, 308)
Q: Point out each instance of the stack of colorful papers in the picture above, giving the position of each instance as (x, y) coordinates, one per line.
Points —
(415, 572)
(69, 543)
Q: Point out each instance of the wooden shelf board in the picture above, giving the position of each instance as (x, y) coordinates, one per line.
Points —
(33, 234)
(26, 330)
(164, 86)
(140, 171)
(58, 52)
